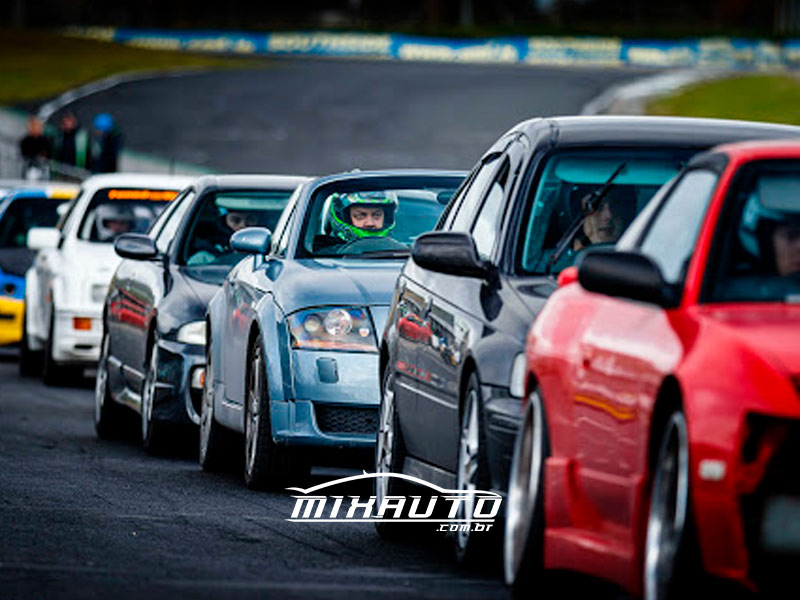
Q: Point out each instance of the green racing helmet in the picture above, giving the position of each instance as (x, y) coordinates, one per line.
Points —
(341, 224)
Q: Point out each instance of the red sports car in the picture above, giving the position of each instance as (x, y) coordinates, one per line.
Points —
(661, 435)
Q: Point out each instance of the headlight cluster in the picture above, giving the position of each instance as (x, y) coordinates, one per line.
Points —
(193, 333)
(332, 328)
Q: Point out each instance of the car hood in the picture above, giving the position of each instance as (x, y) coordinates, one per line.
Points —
(204, 281)
(316, 282)
(98, 261)
(769, 330)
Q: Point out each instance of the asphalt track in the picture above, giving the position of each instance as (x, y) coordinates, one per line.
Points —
(84, 518)
(324, 116)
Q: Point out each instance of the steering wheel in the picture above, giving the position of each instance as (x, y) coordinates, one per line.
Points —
(370, 244)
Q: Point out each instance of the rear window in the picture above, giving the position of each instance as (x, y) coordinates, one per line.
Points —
(113, 211)
(22, 215)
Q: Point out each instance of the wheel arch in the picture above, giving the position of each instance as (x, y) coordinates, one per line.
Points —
(668, 399)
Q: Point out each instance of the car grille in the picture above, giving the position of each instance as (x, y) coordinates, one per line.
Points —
(340, 419)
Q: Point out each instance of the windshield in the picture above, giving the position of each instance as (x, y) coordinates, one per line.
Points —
(22, 215)
(757, 258)
(113, 211)
(568, 180)
(221, 214)
(373, 218)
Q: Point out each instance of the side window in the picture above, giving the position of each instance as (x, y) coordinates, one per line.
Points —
(166, 235)
(158, 224)
(465, 211)
(70, 208)
(487, 224)
(672, 234)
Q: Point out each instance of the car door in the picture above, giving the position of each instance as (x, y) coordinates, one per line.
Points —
(624, 352)
(244, 287)
(455, 313)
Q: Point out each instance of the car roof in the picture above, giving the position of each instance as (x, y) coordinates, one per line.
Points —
(761, 149)
(639, 130)
(361, 175)
(150, 180)
(280, 182)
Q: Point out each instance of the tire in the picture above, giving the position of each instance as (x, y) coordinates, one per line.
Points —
(389, 456)
(107, 417)
(472, 473)
(213, 441)
(30, 361)
(155, 434)
(523, 536)
(670, 552)
(52, 373)
(266, 465)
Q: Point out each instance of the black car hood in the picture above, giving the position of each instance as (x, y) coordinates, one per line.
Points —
(204, 281)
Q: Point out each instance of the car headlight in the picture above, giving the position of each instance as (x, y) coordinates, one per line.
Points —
(332, 328)
(193, 333)
(517, 385)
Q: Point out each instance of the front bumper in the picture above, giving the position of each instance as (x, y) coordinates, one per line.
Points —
(11, 315)
(179, 383)
(335, 398)
(77, 346)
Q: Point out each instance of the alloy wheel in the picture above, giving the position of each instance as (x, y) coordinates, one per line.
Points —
(669, 503)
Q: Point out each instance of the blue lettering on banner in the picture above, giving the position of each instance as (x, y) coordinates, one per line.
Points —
(731, 53)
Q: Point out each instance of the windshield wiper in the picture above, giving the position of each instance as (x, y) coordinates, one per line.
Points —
(590, 202)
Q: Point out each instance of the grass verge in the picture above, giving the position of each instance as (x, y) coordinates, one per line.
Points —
(38, 65)
(772, 98)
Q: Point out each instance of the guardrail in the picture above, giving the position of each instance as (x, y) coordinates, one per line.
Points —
(561, 51)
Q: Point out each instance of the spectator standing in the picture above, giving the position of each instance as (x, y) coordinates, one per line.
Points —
(35, 149)
(71, 143)
(106, 144)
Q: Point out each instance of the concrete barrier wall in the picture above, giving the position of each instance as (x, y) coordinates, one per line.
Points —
(561, 51)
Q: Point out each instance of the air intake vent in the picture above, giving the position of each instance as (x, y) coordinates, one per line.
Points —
(341, 419)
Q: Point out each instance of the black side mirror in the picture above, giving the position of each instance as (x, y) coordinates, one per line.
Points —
(452, 253)
(626, 275)
(136, 246)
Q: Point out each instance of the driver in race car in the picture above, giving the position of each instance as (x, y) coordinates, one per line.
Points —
(356, 216)
(362, 214)
(111, 220)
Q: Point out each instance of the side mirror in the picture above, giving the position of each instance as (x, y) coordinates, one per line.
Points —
(625, 275)
(43, 238)
(450, 252)
(136, 246)
(252, 240)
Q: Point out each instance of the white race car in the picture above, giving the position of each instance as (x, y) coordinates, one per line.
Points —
(67, 284)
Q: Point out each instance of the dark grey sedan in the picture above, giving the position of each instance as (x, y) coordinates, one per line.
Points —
(153, 347)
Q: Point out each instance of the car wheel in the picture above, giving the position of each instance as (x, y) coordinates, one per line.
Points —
(524, 527)
(213, 439)
(154, 432)
(30, 361)
(266, 464)
(52, 372)
(106, 412)
(389, 455)
(669, 541)
(472, 473)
